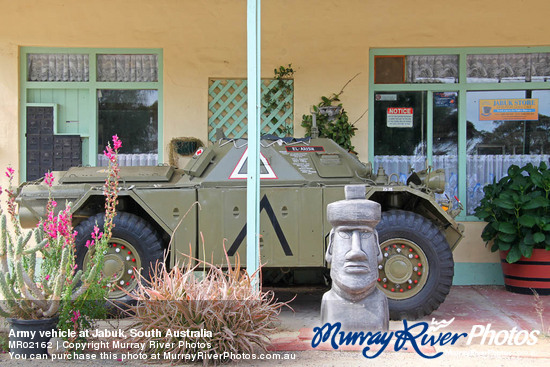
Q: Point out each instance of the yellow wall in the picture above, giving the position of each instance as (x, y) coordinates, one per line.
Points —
(472, 248)
(327, 42)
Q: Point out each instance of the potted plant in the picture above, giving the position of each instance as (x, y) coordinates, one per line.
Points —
(332, 120)
(40, 285)
(517, 212)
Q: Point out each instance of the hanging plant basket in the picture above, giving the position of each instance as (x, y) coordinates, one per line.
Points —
(330, 111)
(527, 274)
(183, 147)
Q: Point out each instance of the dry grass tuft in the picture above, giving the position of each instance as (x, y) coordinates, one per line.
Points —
(224, 302)
(539, 309)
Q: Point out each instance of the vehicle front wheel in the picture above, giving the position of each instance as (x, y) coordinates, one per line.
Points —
(134, 246)
(417, 268)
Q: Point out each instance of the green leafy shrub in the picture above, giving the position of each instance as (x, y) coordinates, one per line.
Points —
(517, 211)
(223, 302)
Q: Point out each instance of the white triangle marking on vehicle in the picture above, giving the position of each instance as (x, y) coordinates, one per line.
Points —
(239, 172)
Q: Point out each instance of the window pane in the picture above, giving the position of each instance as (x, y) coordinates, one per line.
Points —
(389, 69)
(494, 145)
(132, 115)
(432, 69)
(445, 139)
(540, 67)
(498, 68)
(400, 132)
(127, 68)
(58, 68)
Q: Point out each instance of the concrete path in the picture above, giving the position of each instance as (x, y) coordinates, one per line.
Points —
(512, 318)
(499, 327)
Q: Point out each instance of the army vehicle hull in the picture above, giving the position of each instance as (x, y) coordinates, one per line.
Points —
(201, 210)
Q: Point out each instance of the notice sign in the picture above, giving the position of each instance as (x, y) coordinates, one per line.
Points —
(519, 109)
(400, 117)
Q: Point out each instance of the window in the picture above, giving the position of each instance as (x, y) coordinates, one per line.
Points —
(432, 69)
(127, 68)
(132, 115)
(58, 67)
(389, 69)
(402, 138)
(473, 121)
(506, 68)
(400, 129)
(496, 142)
(127, 85)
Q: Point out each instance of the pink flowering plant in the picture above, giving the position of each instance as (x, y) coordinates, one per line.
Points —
(85, 305)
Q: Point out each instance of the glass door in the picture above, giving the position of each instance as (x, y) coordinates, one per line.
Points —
(400, 133)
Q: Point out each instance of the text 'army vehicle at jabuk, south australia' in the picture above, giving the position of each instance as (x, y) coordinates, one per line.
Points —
(299, 177)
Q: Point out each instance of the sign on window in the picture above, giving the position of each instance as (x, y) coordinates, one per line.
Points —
(518, 109)
(399, 117)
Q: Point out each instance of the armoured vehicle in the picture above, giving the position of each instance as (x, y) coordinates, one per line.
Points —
(157, 212)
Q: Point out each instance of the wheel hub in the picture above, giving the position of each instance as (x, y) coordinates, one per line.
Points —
(404, 269)
(120, 263)
(113, 267)
(398, 269)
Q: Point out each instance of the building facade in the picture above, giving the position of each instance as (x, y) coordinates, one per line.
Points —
(462, 86)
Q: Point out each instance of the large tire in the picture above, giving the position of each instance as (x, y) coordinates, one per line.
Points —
(417, 271)
(134, 245)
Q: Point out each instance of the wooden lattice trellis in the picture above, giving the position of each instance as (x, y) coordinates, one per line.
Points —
(227, 109)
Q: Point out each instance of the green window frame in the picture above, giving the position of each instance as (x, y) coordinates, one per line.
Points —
(85, 96)
(461, 86)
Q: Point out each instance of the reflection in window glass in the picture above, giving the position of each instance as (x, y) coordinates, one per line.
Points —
(132, 115)
(538, 132)
(495, 145)
(445, 123)
(445, 139)
(400, 132)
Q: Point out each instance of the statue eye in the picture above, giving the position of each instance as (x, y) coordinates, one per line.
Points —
(344, 234)
(365, 235)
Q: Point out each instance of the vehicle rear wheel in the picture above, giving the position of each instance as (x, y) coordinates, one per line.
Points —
(134, 245)
(417, 270)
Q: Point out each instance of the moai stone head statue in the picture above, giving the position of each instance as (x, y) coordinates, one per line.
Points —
(353, 250)
(354, 254)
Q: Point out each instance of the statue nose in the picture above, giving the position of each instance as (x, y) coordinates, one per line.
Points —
(356, 253)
